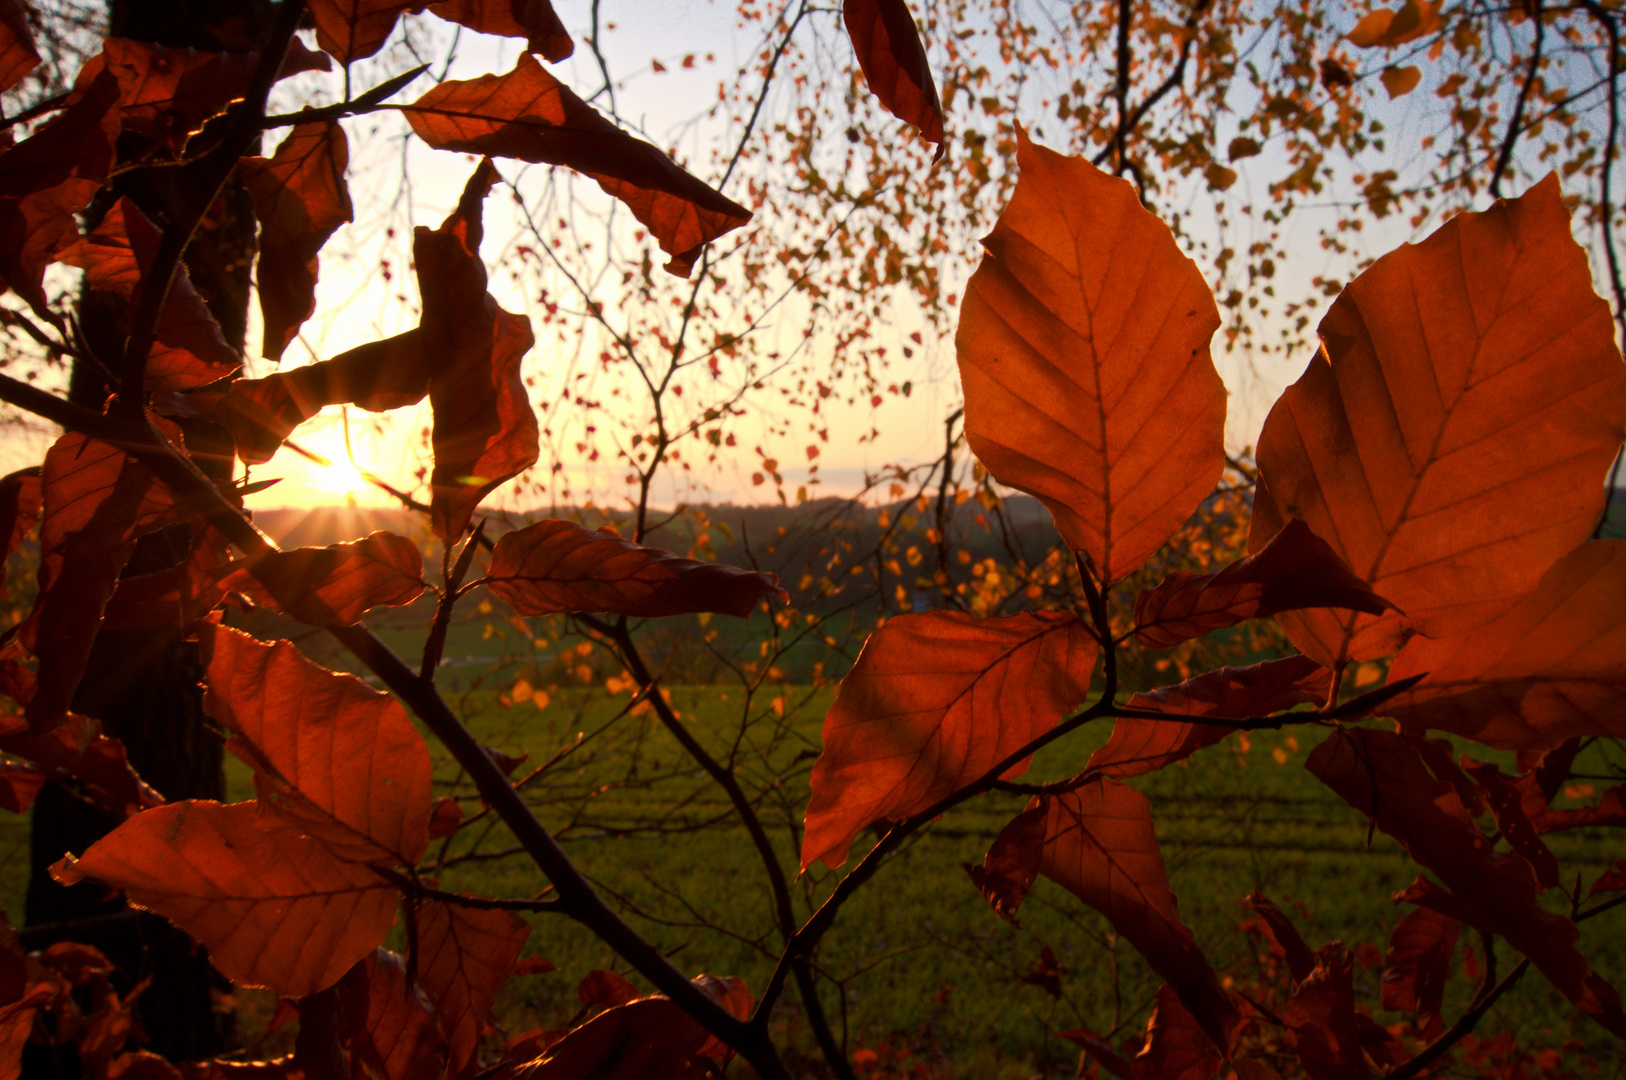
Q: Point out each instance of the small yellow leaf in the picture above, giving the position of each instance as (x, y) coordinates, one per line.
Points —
(1401, 81)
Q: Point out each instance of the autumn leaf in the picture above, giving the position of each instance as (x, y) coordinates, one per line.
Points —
(1321, 1016)
(1452, 439)
(1507, 805)
(1410, 21)
(529, 115)
(387, 1023)
(648, 1038)
(1417, 965)
(893, 60)
(1401, 81)
(934, 702)
(557, 566)
(300, 198)
(19, 784)
(20, 507)
(534, 20)
(18, 54)
(1382, 775)
(1552, 668)
(334, 585)
(350, 30)
(272, 906)
(1176, 1047)
(77, 751)
(1140, 746)
(173, 598)
(1083, 350)
(1011, 865)
(167, 93)
(292, 721)
(606, 989)
(464, 956)
(1296, 569)
(1285, 939)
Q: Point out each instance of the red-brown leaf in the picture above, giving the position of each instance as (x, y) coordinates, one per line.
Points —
(651, 1039)
(934, 702)
(1285, 938)
(1453, 438)
(334, 585)
(1321, 1017)
(444, 818)
(272, 906)
(1011, 865)
(555, 566)
(18, 786)
(1176, 1046)
(167, 93)
(1295, 570)
(533, 20)
(1083, 350)
(293, 722)
(20, 506)
(1141, 746)
(606, 989)
(893, 59)
(18, 56)
(464, 956)
(77, 751)
(1418, 963)
(349, 30)
(1550, 669)
(387, 1023)
(1507, 805)
(530, 115)
(1101, 847)
(1382, 775)
(300, 198)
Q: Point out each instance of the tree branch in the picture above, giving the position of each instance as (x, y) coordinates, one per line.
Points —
(1506, 154)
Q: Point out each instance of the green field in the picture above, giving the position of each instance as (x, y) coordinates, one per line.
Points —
(922, 963)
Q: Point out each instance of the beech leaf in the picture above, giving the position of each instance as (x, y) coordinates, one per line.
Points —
(334, 585)
(530, 115)
(1417, 965)
(1011, 866)
(1452, 439)
(1321, 1016)
(350, 30)
(935, 701)
(464, 956)
(167, 93)
(651, 1037)
(557, 566)
(18, 54)
(293, 721)
(1402, 80)
(893, 60)
(77, 750)
(272, 906)
(1083, 350)
(20, 507)
(533, 20)
(1295, 570)
(1507, 805)
(388, 1025)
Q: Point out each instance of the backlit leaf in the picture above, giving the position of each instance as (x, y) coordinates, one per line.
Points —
(272, 906)
(334, 585)
(934, 701)
(1410, 21)
(464, 956)
(893, 60)
(18, 55)
(1295, 570)
(294, 722)
(1083, 350)
(167, 93)
(1552, 668)
(1452, 439)
(387, 1024)
(77, 751)
(534, 20)
(556, 566)
(1418, 963)
(530, 115)
(1380, 774)
(1402, 80)
(349, 30)
(300, 198)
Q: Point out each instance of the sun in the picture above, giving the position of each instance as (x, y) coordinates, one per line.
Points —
(341, 478)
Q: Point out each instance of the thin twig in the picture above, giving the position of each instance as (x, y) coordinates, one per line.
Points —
(1506, 154)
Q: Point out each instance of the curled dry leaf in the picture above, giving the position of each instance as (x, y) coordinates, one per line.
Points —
(1382, 775)
(292, 721)
(18, 55)
(893, 60)
(1140, 746)
(334, 585)
(1296, 569)
(386, 1022)
(272, 906)
(935, 701)
(533, 20)
(1083, 350)
(1468, 387)
(299, 198)
(1552, 668)
(557, 566)
(1417, 965)
(464, 956)
(530, 115)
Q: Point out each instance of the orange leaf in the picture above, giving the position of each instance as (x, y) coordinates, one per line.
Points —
(17, 1024)
(530, 115)
(1552, 668)
(18, 56)
(1141, 746)
(387, 1024)
(300, 198)
(1382, 775)
(444, 818)
(77, 750)
(1410, 21)
(1401, 81)
(934, 702)
(334, 585)
(1101, 847)
(534, 20)
(1083, 347)
(1469, 386)
(890, 52)
(272, 906)
(464, 956)
(556, 566)
(1295, 570)
(292, 721)
(349, 30)
(167, 93)
(1417, 965)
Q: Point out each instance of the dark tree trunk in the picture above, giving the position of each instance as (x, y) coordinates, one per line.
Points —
(143, 685)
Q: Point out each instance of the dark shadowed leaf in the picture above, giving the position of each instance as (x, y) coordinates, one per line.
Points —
(77, 752)
(464, 956)
(935, 701)
(890, 52)
(18, 786)
(387, 1023)
(533, 20)
(1176, 1047)
(167, 93)
(273, 907)
(20, 508)
(1083, 349)
(1285, 938)
(18, 56)
(1506, 803)
(530, 115)
(606, 989)
(1321, 1016)
(1417, 965)
(651, 1039)
(556, 566)
(334, 585)
(1009, 869)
